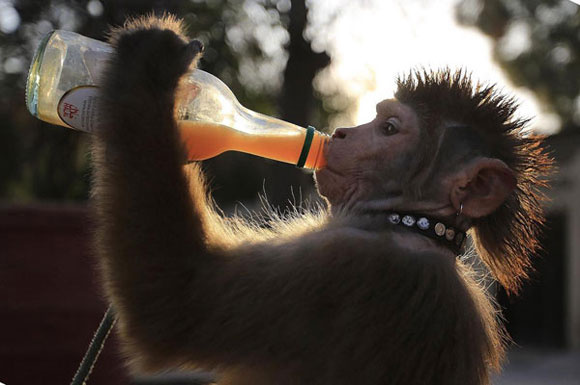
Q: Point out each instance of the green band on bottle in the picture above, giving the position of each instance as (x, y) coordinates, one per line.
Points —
(306, 147)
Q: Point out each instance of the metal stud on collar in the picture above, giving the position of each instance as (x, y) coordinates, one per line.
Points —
(423, 223)
(408, 220)
(440, 229)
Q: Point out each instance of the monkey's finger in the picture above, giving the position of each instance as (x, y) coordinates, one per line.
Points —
(196, 45)
(192, 50)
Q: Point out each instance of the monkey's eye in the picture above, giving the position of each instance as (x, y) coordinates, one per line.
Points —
(389, 128)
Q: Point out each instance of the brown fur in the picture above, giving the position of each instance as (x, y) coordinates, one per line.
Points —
(311, 299)
(508, 238)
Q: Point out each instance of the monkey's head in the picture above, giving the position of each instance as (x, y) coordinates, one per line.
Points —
(446, 145)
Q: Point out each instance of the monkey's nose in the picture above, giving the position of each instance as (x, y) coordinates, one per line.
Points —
(339, 133)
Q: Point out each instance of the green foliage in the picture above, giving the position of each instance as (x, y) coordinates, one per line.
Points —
(537, 42)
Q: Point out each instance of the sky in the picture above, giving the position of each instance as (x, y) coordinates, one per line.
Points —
(373, 41)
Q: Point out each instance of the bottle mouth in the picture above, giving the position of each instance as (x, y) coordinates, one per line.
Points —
(33, 79)
(320, 161)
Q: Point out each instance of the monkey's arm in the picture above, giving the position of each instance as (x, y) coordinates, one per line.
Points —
(147, 227)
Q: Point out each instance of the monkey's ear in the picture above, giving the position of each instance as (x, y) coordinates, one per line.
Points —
(482, 186)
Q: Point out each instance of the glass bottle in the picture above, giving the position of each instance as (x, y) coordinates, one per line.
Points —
(62, 89)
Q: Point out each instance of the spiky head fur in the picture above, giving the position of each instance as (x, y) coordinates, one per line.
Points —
(506, 239)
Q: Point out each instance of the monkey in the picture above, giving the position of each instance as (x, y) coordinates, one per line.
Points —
(355, 293)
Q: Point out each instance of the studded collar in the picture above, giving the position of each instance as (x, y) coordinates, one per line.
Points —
(430, 227)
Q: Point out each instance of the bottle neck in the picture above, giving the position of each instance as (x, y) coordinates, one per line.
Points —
(306, 147)
(313, 154)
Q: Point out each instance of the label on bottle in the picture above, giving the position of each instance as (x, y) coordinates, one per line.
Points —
(78, 108)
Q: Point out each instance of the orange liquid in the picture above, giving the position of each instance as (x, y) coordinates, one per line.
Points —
(205, 140)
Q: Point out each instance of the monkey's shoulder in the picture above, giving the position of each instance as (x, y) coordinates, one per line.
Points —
(386, 281)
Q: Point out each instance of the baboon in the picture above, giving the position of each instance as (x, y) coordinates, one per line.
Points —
(369, 291)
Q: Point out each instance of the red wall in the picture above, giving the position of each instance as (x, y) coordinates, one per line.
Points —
(50, 303)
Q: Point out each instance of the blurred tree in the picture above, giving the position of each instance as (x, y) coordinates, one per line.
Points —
(303, 64)
(247, 45)
(538, 44)
(297, 101)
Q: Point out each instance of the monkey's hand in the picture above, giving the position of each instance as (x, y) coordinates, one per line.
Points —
(143, 75)
(154, 59)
